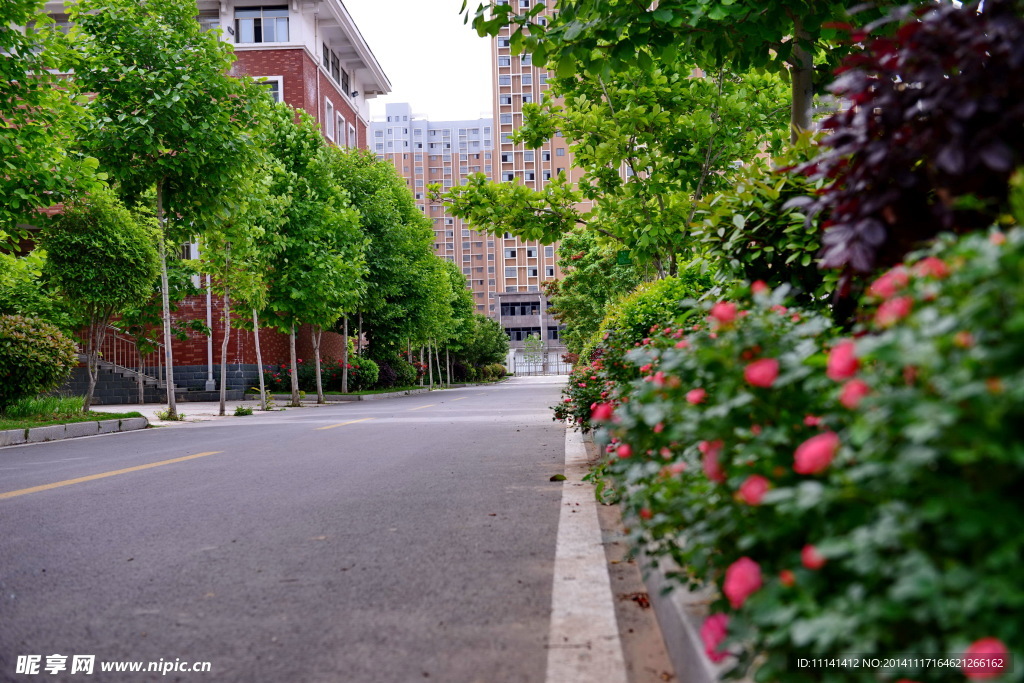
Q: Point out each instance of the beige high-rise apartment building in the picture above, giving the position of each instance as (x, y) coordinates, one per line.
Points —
(506, 274)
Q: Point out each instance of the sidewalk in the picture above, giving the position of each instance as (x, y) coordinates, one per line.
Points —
(193, 412)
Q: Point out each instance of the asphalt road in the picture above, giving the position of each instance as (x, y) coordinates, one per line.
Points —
(408, 539)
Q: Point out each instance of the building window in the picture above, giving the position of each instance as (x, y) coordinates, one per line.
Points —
(262, 24)
(273, 86)
(504, 61)
(560, 152)
(504, 79)
(508, 176)
(505, 118)
(353, 140)
(335, 67)
(528, 155)
(329, 120)
(549, 271)
(510, 271)
(531, 252)
(549, 251)
(527, 79)
(504, 99)
(208, 20)
(510, 253)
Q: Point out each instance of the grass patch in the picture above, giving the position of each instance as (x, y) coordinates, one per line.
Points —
(44, 411)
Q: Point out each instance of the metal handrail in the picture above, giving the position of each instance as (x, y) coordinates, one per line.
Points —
(122, 351)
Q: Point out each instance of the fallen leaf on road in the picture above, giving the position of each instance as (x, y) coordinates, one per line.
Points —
(557, 477)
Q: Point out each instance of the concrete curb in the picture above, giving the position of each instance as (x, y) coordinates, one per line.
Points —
(16, 437)
(680, 612)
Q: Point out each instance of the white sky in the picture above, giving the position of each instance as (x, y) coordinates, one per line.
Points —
(434, 62)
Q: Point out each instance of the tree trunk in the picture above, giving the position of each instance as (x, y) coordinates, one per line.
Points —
(139, 382)
(344, 356)
(423, 377)
(359, 339)
(802, 77)
(165, 296)
(317, 336)
(430, 365)
(295, 369)
(448, 366)
(224, 352)
(259, 359)
(91, 362)
(437, 357)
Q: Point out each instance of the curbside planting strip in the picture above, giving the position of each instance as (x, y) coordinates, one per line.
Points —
(16, 437)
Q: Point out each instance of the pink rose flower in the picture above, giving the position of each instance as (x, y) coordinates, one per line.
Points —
(852, 392)
(712, 468)
(624, 451)
(601, 412)
(762, 373)
(888, 284)
(713, 632)
(986, 649)
(759, 287)
(752, 490)
(931, 267)
(724, 312)
(893, 311)
(815, 454)
(811, 558)
(695, 396)
(742, 579)
(842, 361)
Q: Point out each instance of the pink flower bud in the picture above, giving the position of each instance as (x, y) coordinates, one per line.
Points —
(991, 659)
(762, 373)
(852, 392)
(742, 579)
(758, 287)
(842, 361)
(752, 490)
(787, 578)
(712, 468)
(713, 632)
(601, 412)
(724, 312)
(889, 283)
(695, 396)
(931, 267)
(811, 558)
(815, 455)
(893, 311)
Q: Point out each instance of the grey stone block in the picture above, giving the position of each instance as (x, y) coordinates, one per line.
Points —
(130, 423)
(76, 429)
(52, 433)
(109, 426)
(12, 437)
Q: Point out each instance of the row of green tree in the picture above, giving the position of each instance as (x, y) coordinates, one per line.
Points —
(166, 149)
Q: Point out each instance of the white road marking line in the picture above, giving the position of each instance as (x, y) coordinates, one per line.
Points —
(583, 643)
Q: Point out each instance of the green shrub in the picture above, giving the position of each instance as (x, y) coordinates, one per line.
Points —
(35, 357)
(405, 371)
(362, 374)
(751, 231)
(845, 496)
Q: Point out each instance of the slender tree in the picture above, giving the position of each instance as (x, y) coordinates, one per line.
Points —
(164, 115)
(318, 268)
(102, 258)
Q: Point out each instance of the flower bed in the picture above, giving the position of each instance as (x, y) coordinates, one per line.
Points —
(846, 493)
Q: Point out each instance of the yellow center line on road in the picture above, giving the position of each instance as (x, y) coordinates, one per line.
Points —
(342, 424)
(102, 475)
(460, 399)
(429, 405)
